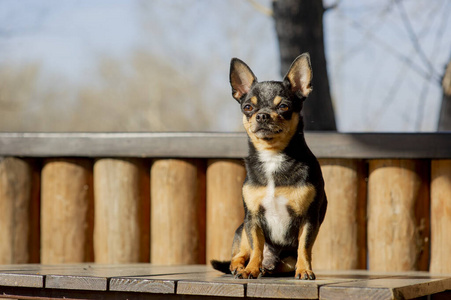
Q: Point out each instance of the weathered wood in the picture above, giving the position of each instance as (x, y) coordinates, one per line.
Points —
(16, 180)
(23, 280)
(341, 243)
(386, 288)
(398, 215)
(440, 216)
(66, 211)
(140, 284)
(177, 211)
(146, 281)
(220, 145)
(225, 211)
(121, 203)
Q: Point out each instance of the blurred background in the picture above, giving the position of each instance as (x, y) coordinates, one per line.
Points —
(107, 65)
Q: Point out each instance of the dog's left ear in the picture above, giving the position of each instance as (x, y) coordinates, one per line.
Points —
(241, 78)
(300, 75)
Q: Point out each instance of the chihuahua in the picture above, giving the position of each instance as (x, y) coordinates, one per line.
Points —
(283, 193)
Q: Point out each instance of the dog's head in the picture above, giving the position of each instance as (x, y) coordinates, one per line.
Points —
(271, 109)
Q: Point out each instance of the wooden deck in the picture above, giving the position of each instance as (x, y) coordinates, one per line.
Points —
(146, 281)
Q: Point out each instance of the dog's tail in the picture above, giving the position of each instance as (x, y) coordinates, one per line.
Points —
(223, 266)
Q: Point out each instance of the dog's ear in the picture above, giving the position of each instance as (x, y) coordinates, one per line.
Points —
(241, 78)
(300, 75)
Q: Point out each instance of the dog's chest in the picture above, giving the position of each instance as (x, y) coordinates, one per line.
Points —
(276, 214)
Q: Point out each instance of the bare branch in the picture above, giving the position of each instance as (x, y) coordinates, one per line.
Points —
(332, 6)
(261, 8)
(413, 37)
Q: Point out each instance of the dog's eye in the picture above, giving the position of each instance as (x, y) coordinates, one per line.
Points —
(248, 107)
(283, 107)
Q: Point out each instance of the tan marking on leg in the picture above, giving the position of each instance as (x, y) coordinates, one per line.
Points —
(304, 262)
(242, 254)
(255, 262)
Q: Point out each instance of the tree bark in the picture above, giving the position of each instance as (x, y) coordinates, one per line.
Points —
(444, 123)
(299, 27)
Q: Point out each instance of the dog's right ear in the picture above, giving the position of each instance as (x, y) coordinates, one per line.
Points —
(241, 78)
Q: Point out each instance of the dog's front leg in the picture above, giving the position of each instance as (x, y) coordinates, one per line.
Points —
(307, 236)
(257, 241)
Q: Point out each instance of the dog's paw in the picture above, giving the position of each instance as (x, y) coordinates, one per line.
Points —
(235, 270)
(305, 275)
(248, 273)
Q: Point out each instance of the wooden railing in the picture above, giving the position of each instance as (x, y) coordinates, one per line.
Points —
(175, 198)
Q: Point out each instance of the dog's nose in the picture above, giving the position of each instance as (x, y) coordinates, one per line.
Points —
(262, 117)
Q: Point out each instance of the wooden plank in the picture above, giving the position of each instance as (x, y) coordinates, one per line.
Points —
(398, 215)
(290, 288)
(143, 285)
(16, 178)
(225, 211)
(440, 216)
(341, 243)
(21, 280)
(88, 276)
(120, 203)
(164, 284)
(220, 145)
(211, 284)
(386, 288)
(177, 211)
(66, 211)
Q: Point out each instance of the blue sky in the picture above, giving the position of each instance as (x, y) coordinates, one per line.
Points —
(379, 81)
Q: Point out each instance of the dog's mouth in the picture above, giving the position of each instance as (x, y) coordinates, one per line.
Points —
(267, 132)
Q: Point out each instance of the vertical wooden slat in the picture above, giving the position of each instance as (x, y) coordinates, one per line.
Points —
(34, 234)
(341, 243)
(121, 202)
(66, 211)
(225, 211)
(398, 215)
(440, 216)
(15, 198)
(177, 211)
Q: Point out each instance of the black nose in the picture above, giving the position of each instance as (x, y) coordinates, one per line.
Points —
(262, 117)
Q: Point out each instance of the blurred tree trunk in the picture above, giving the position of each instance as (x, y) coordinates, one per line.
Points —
(299, 27)
(444, 123)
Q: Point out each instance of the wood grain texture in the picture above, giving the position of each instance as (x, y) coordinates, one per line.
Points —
(386, 288)
(66, 211)
(22, 280)
(177, 211)
(121, 203)
(398, 212)
(341, 243)
(220, 145)
(225, 211)
(147, 285)
(440, 216)
(16, 180)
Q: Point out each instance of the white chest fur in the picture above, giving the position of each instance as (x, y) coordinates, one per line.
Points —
(276, 213)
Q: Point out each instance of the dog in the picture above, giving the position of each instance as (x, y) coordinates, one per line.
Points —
(283, 193)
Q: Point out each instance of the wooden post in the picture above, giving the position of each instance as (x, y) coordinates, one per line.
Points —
(341, 243)
(440, 216)
(121, 204)
(177, 211)
(16, 179)
(225, 211)
(398, 215)
(66, 211)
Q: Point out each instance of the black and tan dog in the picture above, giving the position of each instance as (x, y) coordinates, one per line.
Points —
(283, 194)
